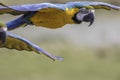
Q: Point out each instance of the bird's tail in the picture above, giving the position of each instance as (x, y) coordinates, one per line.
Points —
(16, 23)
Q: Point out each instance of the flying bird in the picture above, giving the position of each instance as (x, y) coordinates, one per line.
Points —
(12, 41)
(54, 15)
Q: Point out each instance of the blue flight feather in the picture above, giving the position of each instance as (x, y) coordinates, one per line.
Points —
(36, 7)
(37, 48)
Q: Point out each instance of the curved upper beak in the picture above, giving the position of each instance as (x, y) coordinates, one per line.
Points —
(89, 17)
(2, 37)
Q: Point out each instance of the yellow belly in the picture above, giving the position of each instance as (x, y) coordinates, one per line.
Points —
(52, 18)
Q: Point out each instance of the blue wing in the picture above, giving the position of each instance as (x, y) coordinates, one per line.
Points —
(36, 7)
(16, 42)
(21, 9)
(95, 5)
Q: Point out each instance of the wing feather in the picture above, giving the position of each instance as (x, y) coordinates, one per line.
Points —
(21, 9)
(19, 43)
(96, 5)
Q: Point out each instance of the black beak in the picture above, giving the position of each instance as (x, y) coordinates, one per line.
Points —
(89, 18)
(2, 37)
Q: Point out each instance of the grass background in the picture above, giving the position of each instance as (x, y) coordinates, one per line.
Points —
(79, 64)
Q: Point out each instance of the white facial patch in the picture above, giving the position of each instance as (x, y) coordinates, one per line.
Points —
(3, 29)
(80, 15)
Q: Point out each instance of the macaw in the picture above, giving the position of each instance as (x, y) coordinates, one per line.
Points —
(54, 15)
(12, 41)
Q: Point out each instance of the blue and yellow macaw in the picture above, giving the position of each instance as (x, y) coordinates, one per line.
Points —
(12, 41)
(54, 15)
(46, 15)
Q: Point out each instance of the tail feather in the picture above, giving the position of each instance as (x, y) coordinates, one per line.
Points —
(16, 23)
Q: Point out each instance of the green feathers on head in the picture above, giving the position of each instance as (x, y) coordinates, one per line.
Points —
(2, 25)
(88, 7)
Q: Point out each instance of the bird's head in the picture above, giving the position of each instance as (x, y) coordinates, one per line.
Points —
(3, 30)
(3, 27)
(84, 14)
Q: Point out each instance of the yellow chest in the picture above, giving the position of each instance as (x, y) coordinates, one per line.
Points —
(53, 18)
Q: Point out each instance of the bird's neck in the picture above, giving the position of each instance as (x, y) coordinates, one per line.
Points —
(69, 14)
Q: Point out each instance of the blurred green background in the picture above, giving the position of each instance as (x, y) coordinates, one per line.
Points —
(90, 53)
